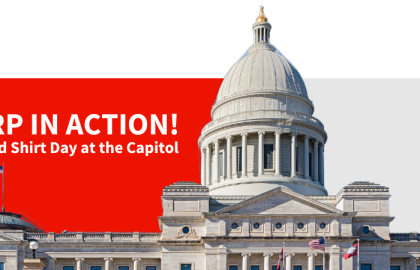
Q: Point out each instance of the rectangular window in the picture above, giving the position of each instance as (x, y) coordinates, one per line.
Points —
(310, 166)
(221, 164)
(319, 267)
(239, 159)
(366, 266)
(68, 268)
(297, 267)
(186, 267)
(125, 268)
(233, 267)
(274, 267)
(398, 268)
(255, 267)
(95, 268)
(268, 156)
(1, 266)
(150, 267)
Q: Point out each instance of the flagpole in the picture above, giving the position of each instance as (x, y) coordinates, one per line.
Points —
(358, 254)
(3, 190)
(323, 258)
(283, 256)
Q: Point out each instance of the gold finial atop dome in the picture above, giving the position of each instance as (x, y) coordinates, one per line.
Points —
(262, 17)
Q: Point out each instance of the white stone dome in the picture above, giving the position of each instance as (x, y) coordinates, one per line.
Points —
(263, 133)
(262, 69)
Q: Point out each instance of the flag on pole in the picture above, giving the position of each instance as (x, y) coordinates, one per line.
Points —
(1, 169)
(280, 259)
(351, 252)
(317, 244)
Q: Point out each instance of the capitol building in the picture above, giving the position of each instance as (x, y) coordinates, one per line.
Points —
(262, 187)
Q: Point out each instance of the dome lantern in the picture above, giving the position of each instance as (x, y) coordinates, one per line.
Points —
(261, 28)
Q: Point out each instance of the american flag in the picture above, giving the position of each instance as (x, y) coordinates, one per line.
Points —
(1, 169)
(317, 244)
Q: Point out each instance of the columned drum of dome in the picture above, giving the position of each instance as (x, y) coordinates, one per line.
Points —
(262, 111)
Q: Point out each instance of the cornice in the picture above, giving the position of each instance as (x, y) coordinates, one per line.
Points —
(290, 239)
(230, 197)
(322, 197)
(168, 242)
(359, 219)
(266, 121)
(186, 189)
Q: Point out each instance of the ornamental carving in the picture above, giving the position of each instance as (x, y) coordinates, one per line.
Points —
(182, 233)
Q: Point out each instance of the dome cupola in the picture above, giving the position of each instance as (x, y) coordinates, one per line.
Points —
(262, 132)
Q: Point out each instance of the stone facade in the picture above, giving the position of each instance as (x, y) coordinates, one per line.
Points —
(262, 189)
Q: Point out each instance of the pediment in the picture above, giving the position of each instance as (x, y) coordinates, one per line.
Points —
(6, 237)
(280, 201)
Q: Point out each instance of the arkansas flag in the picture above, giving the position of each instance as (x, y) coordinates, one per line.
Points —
(280, 259)
(351, 252)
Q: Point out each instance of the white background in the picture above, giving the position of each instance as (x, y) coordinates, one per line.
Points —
(372, 126)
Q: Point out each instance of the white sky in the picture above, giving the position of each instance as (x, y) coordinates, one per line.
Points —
(202, 39)
(372, 127)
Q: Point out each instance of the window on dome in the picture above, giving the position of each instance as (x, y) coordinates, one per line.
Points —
(68, 268)
(96, 268)
(310, 164)
(239, 159)
(125, 268)
(268, 156)
(1, 266)
(233, 267)
(150, 267)
(297, 267)
(398, 268)
(255, 267)
(221, 164)
(318, 267)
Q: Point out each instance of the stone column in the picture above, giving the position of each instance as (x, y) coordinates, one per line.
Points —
(107, 263)
(244, 155)
(51, 263)
(413, 263)
(306, 142)
(229, 157)
(278, 153)
(203, 167)
(321, 164)
(208, 165)
(311, 261)
(293, 155)
(216, 161)
(335, 258)
(289, 264)
(261, 153)
(136, 263)
(79, 263)
(245, 261)
(315, 146)
(267, 261)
